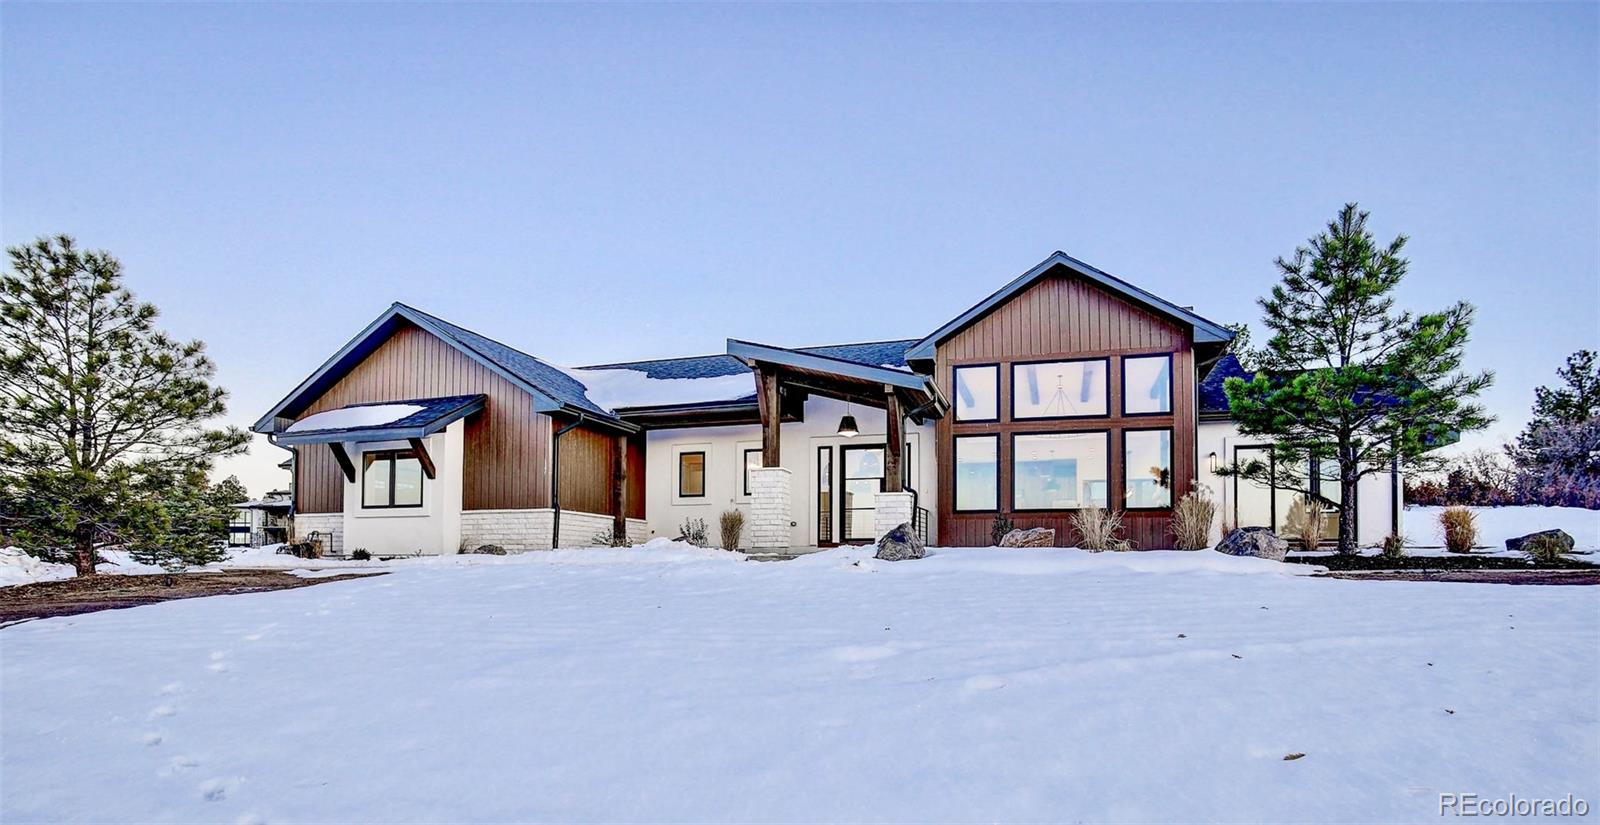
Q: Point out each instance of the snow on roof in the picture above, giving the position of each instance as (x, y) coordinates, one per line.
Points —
(622, 387)
(349, 418)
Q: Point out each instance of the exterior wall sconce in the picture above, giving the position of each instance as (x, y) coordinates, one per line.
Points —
(1211, 462)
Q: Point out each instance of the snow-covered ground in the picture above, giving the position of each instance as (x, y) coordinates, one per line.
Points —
(675, 685)
(1496, 524)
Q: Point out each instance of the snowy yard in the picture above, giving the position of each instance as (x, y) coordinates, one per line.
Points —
(683, 685)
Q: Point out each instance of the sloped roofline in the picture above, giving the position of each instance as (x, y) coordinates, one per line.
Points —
(368, 340)
(1205, 330)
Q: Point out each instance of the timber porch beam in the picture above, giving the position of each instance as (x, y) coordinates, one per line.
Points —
(423, 457)
(343, 457)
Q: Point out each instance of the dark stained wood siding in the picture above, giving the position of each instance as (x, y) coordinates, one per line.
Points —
(636, 468)
(588, 462)
(507, 446)
(1064, 316)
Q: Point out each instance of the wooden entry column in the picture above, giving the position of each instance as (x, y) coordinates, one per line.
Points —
(771, 414)
(894, 442)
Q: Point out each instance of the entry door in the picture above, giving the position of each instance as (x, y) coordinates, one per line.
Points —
(861, 480)
(1253, 502)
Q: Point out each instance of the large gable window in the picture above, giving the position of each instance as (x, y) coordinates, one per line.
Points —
(1147, 385)
(1060, 471)
(1061, 389)
(978, 393)
(977, 476)
(391, 478)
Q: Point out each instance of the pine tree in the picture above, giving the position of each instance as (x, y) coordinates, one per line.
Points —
(1558, 454)
(1347, 381)
(102, 417)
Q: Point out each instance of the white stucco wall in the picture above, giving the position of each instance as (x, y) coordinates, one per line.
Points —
(432, 529)
(1374, 493)
(724, 447)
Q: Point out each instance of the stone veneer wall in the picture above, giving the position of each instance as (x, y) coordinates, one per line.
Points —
(770, 511)
(329, 525)
(890, 511)
(520, 530)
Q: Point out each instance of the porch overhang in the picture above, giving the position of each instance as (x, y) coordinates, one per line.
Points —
(429, 416)
(845, 380)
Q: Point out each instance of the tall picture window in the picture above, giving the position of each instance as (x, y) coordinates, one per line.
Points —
(391, 478)
(977, 475)
(977, 393)
(1147, 385)
(1061, 389)
(692, 475)
(1060, 471)
(752, 458)
(1147, 468)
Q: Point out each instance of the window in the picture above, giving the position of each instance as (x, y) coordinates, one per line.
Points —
(1060, 471)
(692, 475)
(978, 393)
(752, 458)
(977, 476)
(1147, 468)
(1060, 389)
(824, 495)
(391, 478)
(1147, 385)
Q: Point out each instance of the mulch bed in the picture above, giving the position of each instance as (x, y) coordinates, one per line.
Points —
(112, 592)
(1343, 564)
(1527, 576)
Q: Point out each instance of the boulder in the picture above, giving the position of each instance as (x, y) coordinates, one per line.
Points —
(900, 544)
(1564, 539)
(1031, 537)
(489, 550)
(1260, 542)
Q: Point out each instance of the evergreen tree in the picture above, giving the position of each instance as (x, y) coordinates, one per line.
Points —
(102, 417)
(1348, 383)
(1558, 453)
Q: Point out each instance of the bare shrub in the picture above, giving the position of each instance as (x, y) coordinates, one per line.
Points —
(693, 531)
(999, 528)
(731, 523)
(1304, 522)
(1544, 548)
(1191, 518)
(1460, 527)
(1098, 529)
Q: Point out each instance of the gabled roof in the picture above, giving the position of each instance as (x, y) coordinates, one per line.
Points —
(875, 353)
(552, 389)
(386, 421)
(1204, 330)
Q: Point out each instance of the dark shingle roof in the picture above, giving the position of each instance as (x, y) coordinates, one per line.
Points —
(432, 410)
(1212, 397)
(558, 384)
(872, 353)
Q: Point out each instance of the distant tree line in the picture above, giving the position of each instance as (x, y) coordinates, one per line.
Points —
(1555, 461)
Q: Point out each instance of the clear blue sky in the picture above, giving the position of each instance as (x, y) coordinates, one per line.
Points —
(607, 182)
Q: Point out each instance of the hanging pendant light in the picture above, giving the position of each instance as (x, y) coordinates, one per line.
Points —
(847, 425)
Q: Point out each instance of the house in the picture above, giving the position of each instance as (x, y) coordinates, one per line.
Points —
(1066, 388)
(262, 521)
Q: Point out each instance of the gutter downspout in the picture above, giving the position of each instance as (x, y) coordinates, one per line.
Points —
(555, 479)
(294, 475)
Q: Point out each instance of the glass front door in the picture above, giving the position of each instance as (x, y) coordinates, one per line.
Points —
(861, 480)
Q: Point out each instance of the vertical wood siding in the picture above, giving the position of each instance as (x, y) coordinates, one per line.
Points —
(507, 446)
(1064, 316)
(588, 464)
